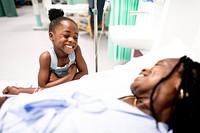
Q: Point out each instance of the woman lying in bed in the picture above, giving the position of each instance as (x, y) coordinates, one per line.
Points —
(165, 97)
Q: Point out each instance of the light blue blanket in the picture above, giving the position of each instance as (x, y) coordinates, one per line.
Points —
(75, 113)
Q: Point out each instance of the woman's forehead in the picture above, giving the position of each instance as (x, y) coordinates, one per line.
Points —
(168, 61)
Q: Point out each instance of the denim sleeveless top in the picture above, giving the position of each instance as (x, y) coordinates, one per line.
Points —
(60, 71)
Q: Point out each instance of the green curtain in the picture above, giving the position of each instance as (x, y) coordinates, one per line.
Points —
(119, 15)
(7, 8)
(73, 2)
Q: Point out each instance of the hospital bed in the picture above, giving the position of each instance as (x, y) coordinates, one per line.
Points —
(108, 84)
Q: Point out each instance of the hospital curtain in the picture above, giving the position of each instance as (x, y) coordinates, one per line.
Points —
(119, 15)
(73, 2)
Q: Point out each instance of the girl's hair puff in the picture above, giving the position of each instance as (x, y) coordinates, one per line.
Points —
(56, 16)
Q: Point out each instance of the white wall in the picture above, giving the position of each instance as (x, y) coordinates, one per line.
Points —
(183, 21)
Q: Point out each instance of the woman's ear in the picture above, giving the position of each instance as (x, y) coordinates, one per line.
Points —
(51, 36)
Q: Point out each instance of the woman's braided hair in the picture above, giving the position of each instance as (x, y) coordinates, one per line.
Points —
(56, 16)
(185, 117)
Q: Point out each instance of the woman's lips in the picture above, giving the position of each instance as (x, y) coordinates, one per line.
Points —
(139, 76)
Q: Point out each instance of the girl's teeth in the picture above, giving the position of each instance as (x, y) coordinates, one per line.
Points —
(69, 46)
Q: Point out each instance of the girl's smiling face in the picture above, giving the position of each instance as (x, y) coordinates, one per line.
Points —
(65, 37)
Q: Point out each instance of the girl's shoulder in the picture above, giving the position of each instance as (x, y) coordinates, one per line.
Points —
(45, 55)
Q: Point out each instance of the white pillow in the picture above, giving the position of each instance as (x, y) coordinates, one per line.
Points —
(175, 49)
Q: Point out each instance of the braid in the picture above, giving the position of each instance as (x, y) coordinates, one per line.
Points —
(188, 99)
(162, 80)
(185, 117)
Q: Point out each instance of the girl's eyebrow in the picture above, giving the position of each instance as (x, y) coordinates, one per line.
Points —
(70, 31)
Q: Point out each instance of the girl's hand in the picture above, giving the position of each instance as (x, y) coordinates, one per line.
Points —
(75, 47)
(11, 90)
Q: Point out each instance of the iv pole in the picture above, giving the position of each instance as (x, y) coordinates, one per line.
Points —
(36, 10)
(95, 13)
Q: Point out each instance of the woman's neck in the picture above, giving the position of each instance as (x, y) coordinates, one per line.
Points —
(143, 104)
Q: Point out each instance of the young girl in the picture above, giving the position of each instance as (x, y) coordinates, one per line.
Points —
(61, 63)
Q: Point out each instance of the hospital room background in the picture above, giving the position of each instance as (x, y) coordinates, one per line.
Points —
(22, 40)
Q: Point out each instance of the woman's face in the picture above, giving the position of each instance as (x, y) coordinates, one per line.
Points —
(148, 78)
(165, 92)
(65, 37)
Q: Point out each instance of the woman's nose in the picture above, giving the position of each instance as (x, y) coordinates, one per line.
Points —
(145, 70)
